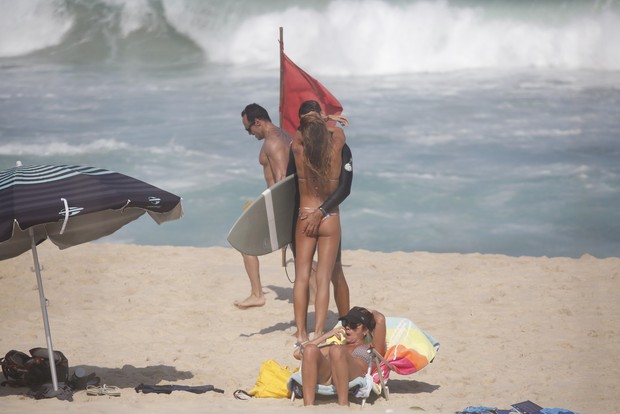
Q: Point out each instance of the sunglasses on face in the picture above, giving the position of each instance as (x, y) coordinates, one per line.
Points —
(352, 325)
(249, 127)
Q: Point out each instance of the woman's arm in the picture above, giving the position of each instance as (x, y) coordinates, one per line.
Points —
(378, 335)
(317, 341)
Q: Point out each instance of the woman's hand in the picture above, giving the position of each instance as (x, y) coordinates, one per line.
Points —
(320, 341)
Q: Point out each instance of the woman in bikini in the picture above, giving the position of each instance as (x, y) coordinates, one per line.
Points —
(317, 154)
(338, 364)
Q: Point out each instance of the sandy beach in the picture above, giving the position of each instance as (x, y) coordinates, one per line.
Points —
(510, 328)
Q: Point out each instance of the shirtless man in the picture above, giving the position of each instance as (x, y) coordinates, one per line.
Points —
(273, 156)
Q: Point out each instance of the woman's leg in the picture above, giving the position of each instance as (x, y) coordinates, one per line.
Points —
(344, 368)
(329, 240)
(303, 266)
(341, 287)
(315, 370)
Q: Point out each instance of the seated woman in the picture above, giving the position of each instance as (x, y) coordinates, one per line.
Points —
(337, 364)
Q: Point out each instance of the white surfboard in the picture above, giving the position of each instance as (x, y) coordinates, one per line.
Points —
(267, 224)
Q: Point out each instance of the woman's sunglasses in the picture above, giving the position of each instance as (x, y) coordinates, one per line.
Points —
(352, 325)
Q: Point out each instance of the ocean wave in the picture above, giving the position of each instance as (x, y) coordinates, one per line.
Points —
(334, 37)
(97, 147)
(61, 148)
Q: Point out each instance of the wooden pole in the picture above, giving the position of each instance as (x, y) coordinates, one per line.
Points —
(280, 107)
(281, 72)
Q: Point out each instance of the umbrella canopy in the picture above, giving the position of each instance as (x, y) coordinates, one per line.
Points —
(71, 205)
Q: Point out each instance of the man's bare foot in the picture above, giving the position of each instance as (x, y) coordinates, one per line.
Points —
(250, 302)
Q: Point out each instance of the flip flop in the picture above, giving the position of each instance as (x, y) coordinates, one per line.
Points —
(109, 390)
(242, 395)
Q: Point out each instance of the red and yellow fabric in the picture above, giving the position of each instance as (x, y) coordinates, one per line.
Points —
(409, 349)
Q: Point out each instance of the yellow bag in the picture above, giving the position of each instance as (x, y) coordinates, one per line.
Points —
(271, 382)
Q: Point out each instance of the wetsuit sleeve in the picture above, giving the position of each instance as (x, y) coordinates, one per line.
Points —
(291, 168)
(344, 183)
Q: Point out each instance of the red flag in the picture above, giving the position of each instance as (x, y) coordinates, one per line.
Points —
(296, 87)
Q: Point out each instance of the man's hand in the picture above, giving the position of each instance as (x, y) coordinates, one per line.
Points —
(338, 118)
(310, 222)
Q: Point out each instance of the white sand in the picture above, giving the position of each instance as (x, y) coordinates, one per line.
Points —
(511, 329)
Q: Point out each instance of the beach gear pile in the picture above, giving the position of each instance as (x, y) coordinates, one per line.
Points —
(33, 371)
(23, 370)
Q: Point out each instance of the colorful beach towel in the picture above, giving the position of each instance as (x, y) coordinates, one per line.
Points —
(409, 348)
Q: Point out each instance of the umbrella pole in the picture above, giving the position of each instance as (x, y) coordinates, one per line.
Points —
(46, 324)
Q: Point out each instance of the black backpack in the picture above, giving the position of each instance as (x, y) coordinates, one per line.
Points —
(22, 370)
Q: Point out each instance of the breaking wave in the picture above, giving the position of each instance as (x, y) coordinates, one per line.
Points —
(336, 37)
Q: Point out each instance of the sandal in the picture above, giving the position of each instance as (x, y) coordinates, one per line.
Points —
(109, 390)
(241, 395)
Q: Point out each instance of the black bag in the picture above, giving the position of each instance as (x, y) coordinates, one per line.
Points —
(22, 370)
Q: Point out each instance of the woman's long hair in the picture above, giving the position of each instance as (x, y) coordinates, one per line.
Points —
(317, 143)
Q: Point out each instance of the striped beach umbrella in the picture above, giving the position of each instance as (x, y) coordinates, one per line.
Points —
(71, 205)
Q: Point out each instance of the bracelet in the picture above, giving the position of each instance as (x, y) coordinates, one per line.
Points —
(323, 211)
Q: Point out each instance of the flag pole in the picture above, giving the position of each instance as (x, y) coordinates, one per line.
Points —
(283, 250)
(281, 72)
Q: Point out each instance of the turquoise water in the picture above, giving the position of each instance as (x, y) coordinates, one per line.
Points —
(474, 128)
